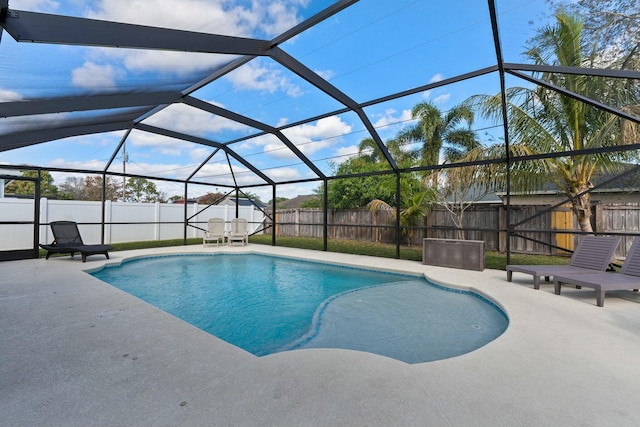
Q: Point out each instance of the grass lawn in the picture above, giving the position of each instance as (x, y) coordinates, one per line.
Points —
(493, 260)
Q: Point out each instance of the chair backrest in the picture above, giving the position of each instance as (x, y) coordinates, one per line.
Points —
(238, 226)
(215, 226)
(632, 263)
(66, 233)
(594, 252)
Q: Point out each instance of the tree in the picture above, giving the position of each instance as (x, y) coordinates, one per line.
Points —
(93, 188)
(461, 187)
(142, 190)
(415, 205)
(312, 203)
(440, 134)
(279, 200)
(357, 192)
(611, 26)
(207, 199)
(251, 196)
(72, 188)
(544, 121)
(27, 188)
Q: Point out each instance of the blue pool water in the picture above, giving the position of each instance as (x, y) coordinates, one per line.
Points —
(267, 304)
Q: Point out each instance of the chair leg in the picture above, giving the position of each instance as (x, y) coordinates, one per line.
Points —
(557, 287)
(600, 297)
(536, 282)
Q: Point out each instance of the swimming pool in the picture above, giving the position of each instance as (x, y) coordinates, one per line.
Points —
(266, 304)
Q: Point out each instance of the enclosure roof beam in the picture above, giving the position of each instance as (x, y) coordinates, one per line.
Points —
(203, 163)
(85, 103)
(37, 27)
(301, 70)
(595, 72)
(576, 96)
(4, 8)
(326, 13)
(117, 149)
(35, 136)
(408, 92)
(214, 109)
(222, 112)
(203, 141)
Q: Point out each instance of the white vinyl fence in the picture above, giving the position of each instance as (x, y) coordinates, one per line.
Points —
(149, 217)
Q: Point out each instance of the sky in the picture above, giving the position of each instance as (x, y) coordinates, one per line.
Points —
(370, 50)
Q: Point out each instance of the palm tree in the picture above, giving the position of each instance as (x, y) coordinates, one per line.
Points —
(440, 134)
(369, 150)
(544, 121)
(415, 206)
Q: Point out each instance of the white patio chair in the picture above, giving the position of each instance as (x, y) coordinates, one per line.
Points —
(238, 232)
(215, 231)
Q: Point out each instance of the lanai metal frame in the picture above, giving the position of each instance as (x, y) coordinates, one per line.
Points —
(25, 26)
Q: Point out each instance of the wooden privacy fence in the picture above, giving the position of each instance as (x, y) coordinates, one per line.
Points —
(540, 227)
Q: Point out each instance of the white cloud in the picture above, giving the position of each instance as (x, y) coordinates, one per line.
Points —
(91, 164)
(438, 100)
(199, 154)
(390, 118)
(158, 144)
(278, 18)
(191, 15)
(310, 138)
(436, 78)
(178, 63)
(192, 121)
(345, 153)
(94, 76)
(9, 95)
(325, 74)
(283, 174)
(441, 99)
(205, 16)
(254, 76)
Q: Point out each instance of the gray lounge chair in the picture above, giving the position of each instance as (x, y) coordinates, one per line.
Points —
(592, 255)
(628, 278)
(67, 240)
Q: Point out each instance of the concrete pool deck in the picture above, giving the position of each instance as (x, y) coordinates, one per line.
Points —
(78, 352)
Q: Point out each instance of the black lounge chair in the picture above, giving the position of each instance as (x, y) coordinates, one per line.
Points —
(592, 255)
(67, 240)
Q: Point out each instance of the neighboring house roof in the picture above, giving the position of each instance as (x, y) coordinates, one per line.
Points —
(606, 183)
(231, 201)
(189, 201)
(297, 201)
(476, 194)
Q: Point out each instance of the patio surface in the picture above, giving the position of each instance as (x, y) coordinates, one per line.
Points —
(78, 352)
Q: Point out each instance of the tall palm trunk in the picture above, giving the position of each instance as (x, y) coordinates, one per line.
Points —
(581, 207)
